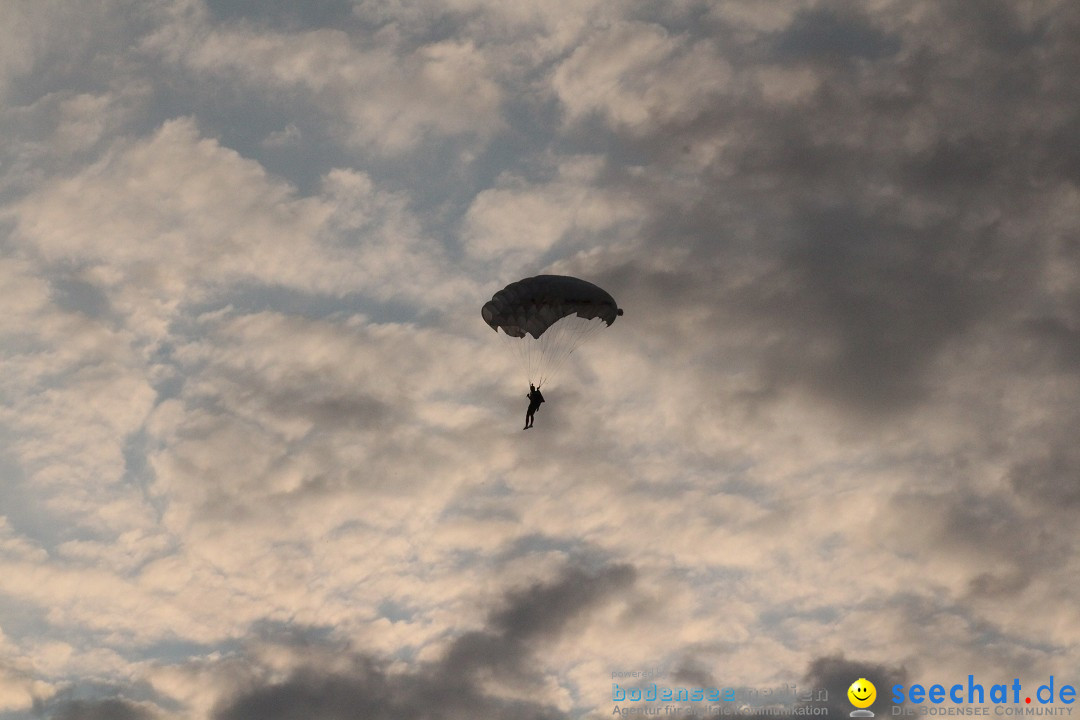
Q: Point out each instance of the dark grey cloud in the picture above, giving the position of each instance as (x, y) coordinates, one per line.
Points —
(543, 609)
(452, 687)
(76, 295)
(880, 299)
(880, 214)
(1050, 473)
(370, 692)
(108, 709)
(532, 615)
(1056, 338)
(998, 26)
(284, 14)
(824, 34)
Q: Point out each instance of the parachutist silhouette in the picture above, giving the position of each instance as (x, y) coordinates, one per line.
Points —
(535, 398)
(543, 319)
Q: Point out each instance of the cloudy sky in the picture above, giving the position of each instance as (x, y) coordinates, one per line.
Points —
(260, 457)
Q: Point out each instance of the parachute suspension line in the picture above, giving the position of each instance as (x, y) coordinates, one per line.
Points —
(527, 353)
(559, 342)
(543, 357)
(530, 354)
(556, 345)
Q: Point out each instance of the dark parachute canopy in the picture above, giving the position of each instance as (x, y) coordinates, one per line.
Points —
(545, 318)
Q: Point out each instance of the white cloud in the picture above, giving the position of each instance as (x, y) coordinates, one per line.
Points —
(169, 220)
(379, 96)
(155, 218)
(518, 221)
(637, 76)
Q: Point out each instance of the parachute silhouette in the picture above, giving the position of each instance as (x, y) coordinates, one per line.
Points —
(545, 318)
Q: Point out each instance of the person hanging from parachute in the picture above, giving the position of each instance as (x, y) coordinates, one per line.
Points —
(535, 398)
(544, 319)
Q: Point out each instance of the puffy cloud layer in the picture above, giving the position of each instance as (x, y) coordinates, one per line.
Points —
(377, 91)
(261, 457)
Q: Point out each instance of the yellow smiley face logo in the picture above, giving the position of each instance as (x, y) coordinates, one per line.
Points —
(862, 693)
